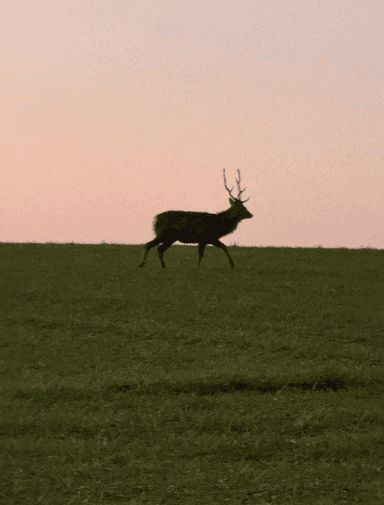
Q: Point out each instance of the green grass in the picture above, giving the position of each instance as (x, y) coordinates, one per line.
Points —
(261, 385)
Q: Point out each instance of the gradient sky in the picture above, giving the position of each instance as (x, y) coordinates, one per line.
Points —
(113, 111)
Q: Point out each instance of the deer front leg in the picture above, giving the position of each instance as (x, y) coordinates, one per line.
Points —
(222, 246)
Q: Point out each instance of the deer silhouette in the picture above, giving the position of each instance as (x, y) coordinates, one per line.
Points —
(200, 228)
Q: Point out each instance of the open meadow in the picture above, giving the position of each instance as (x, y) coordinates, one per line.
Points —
(258, 385)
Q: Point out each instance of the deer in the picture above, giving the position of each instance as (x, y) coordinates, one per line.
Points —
(200, 228)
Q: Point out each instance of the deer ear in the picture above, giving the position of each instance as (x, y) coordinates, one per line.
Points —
(231, 202)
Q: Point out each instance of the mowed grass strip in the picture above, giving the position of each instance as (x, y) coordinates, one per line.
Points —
(259, 385)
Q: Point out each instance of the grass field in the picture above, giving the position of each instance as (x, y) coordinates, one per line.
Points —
(258, 385)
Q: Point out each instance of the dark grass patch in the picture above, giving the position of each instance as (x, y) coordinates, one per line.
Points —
(245, 385)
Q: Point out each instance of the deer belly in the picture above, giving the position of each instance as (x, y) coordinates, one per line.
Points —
(189, 238)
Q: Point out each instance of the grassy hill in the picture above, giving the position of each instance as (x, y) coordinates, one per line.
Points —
(263, 384)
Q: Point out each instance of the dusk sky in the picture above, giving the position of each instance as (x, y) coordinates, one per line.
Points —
(114, 111)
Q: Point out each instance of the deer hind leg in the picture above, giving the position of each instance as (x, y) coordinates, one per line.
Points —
(219, 244)
(147, 248)
(201, 253)
(162, 248)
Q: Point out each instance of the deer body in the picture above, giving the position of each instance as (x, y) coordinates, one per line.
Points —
(197, 228)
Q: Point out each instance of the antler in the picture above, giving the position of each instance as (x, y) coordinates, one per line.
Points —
(240, 190)
(238, 187)
(226, 187)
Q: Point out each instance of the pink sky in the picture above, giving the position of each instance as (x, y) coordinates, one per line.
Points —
(112, 112)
